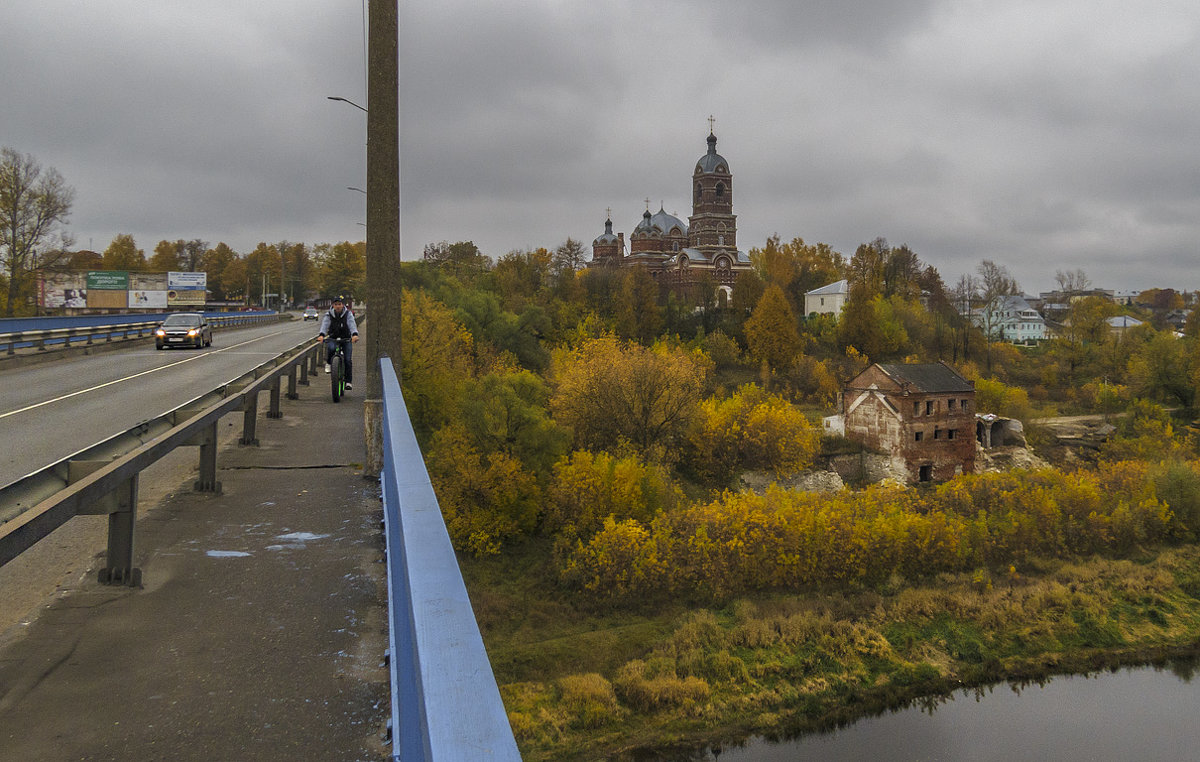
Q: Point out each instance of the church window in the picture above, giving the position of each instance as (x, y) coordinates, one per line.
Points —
(720, 191)
(699, 192)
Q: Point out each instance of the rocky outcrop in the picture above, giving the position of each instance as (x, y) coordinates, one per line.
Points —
(805, 481)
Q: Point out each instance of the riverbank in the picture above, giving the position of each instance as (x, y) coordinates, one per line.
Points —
(646, 684)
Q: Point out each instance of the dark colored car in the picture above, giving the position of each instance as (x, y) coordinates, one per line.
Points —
(186, 329)
(311, 314)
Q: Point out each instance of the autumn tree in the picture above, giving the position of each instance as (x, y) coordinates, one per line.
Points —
(462, 259)
(638, 315)
(797, 267)
(487, 498)
(85, 260)
(614, 394)
(224, 277)
(1161, 369)
(191, 254)
(751, 429)
(521, 276)
(569, 258)
(1071, 282)
(435, 360)
(509, 412)
(771, 333)
(341, 269)
(166, 257)
(34, 206)
(588, 488)
(870, 325)
(748, 288)
(123, 254)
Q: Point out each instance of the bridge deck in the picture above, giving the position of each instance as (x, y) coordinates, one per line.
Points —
(260, 630)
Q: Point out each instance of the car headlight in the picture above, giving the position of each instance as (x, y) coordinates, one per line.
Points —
(160, 332)
(192, 332)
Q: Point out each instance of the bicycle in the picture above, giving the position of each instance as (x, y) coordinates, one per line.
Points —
(337, 370)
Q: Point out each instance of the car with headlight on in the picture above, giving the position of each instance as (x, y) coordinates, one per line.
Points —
(311, 314)
(183, 329)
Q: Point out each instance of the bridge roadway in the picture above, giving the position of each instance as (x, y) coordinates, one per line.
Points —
(49, 411)
(260, 629)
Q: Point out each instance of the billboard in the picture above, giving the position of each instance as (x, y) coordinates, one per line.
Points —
(182, 298)
(108, 280)
(106, 299)
(179, 281)
(147, 300)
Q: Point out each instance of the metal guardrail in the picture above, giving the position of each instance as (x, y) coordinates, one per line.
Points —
(446, 705)
(120, 331)
(102, 479)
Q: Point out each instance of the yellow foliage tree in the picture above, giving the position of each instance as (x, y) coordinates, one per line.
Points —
(486, 499)
(588, 488)
(435, 360)
(614, 394)
(771, 332)
(750, 430)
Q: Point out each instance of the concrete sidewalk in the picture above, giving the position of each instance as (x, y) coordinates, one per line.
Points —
(259, 634)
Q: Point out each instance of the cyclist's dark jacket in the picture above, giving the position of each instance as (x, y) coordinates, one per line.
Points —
(335, 327)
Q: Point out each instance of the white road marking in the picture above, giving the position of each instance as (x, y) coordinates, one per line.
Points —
(135, 375)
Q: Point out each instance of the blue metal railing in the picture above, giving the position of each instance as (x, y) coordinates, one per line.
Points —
(21, 333)
(446, 706)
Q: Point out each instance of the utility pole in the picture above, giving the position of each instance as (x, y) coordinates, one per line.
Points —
(383, 218)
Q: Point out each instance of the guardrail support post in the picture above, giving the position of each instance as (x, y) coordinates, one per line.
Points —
(208, 461)
(291, 393)
(304, 371)
(314, 361)
(249, 420)
(274, 410)
(118, 564)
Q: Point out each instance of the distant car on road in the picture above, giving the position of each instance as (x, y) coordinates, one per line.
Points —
(183, 329)
(311, 314)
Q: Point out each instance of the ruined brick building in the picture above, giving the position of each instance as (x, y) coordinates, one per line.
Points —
(677, 253)
(922, 415)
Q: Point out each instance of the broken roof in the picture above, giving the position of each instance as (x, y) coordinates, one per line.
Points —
(927, 377)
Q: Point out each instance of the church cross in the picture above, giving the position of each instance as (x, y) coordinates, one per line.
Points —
(608, 212)
(647, 203)
(710, 122)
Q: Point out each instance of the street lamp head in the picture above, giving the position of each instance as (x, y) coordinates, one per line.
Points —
(346, 100)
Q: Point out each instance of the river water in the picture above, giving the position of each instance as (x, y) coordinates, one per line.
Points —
(1143, 713)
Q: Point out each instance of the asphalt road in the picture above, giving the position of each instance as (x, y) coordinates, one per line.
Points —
(52, 410)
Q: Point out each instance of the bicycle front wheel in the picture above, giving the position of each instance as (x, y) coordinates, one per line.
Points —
(337, 377)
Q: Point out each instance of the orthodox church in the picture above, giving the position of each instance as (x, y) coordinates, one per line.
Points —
(678, 253)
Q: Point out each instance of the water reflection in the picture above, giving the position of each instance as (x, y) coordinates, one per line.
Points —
(1144, 713)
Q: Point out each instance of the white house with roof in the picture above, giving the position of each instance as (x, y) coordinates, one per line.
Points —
(1011, 318)
(827, 300)
(1122, 323)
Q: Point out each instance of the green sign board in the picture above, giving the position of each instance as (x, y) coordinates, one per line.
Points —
(108, 280)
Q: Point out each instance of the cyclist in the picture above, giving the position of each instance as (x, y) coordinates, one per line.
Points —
(337, 325)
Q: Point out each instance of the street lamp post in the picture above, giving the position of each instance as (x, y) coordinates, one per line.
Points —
(383, 216)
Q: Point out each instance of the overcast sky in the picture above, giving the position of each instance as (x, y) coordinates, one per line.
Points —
(1042, 134)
